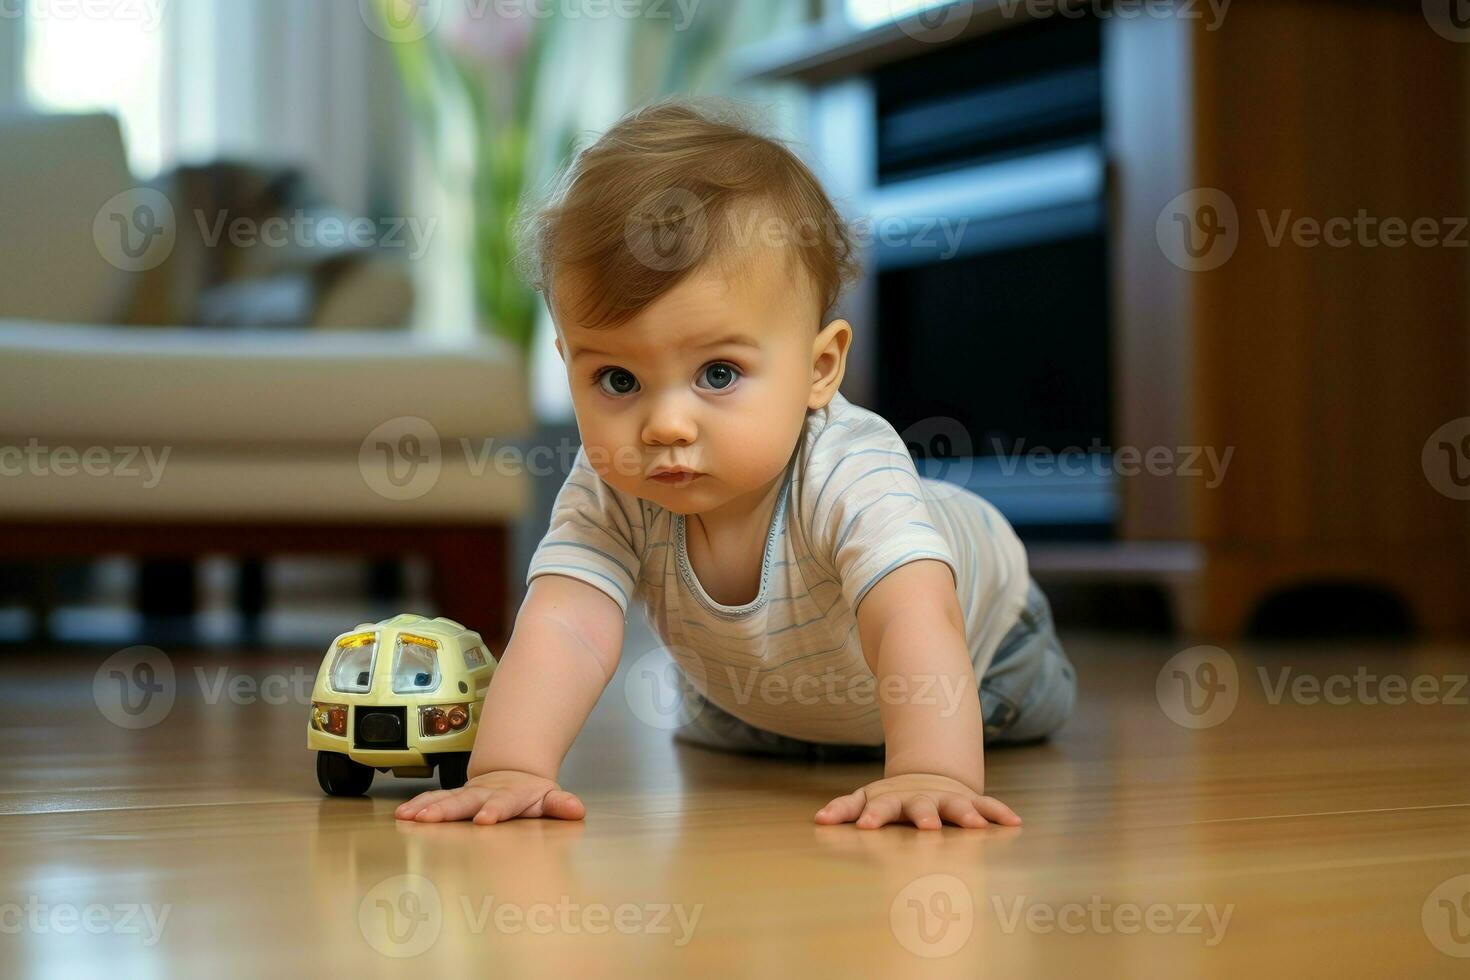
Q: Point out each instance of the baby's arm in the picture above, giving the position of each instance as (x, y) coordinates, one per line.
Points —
(913, 637)
(564, 649)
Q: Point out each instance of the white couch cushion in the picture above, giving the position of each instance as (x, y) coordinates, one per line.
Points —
(185, 483)
(168, 386)
(56, 173)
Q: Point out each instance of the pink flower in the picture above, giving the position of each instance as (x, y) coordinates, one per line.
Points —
(478, 35)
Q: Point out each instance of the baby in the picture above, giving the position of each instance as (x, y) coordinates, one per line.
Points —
(820, 597)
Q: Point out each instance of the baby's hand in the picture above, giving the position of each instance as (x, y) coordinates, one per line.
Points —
(919, 799)
(494, 796)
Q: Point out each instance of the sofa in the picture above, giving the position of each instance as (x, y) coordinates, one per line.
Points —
(172, 441)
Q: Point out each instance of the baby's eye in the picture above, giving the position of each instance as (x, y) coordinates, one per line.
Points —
(719, 375)
(617, 381)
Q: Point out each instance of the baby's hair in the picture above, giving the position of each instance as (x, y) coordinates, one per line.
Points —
(667, 189)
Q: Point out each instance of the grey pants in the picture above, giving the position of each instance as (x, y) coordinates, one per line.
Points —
(1027, 693)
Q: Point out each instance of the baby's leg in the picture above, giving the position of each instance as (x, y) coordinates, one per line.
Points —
(1027, 693)
(1029, 688)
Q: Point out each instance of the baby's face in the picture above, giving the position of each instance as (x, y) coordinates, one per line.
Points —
(715, 377)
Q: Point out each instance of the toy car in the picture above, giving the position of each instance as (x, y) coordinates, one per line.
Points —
(404, 694)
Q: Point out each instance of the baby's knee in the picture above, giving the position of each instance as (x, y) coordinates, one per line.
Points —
(1050, 704)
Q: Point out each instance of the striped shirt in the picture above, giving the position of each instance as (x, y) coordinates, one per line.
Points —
(851, 509)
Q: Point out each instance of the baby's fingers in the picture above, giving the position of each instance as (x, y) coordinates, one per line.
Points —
(504, 804)
(960, 811)
(920, 811)
(843, 809)
(884, 809)
(996, 812)
(561, 805)
(408, 808)
(456, 804)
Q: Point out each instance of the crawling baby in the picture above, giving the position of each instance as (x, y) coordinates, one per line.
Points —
(819, 596)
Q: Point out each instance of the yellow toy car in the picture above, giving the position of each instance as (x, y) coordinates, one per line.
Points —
(405, 694)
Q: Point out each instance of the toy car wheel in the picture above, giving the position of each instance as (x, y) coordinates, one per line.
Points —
(453, 768)
(340, 776)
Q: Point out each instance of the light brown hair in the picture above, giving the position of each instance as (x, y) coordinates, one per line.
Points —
(665, 190)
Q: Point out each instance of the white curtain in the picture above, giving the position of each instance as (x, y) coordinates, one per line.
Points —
(300, 82)
(287, 81)
(306, 82)
(11, 54)
(263, 80)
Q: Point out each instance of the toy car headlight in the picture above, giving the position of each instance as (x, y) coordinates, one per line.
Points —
(415, 664)
(352, 668)
(329, 718)
(442, 719)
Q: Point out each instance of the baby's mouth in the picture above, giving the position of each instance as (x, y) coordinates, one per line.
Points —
(674, 476)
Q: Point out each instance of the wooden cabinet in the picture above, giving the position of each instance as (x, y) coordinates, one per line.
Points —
(1331, 345)
(1320, 148)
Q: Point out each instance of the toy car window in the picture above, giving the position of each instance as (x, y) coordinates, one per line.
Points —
(352, 670)
(474, 657)
(415, 667)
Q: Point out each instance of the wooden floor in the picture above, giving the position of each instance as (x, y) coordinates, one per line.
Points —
(1289, 839)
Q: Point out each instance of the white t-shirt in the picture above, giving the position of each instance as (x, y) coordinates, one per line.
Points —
(852, 508)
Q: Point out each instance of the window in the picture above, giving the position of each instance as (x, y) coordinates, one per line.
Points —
(100, 57)
(871, 13)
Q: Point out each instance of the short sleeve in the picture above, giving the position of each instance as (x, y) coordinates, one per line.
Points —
(868, 511)
(596, 535)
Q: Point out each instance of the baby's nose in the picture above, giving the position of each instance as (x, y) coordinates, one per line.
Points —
(669, 425)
